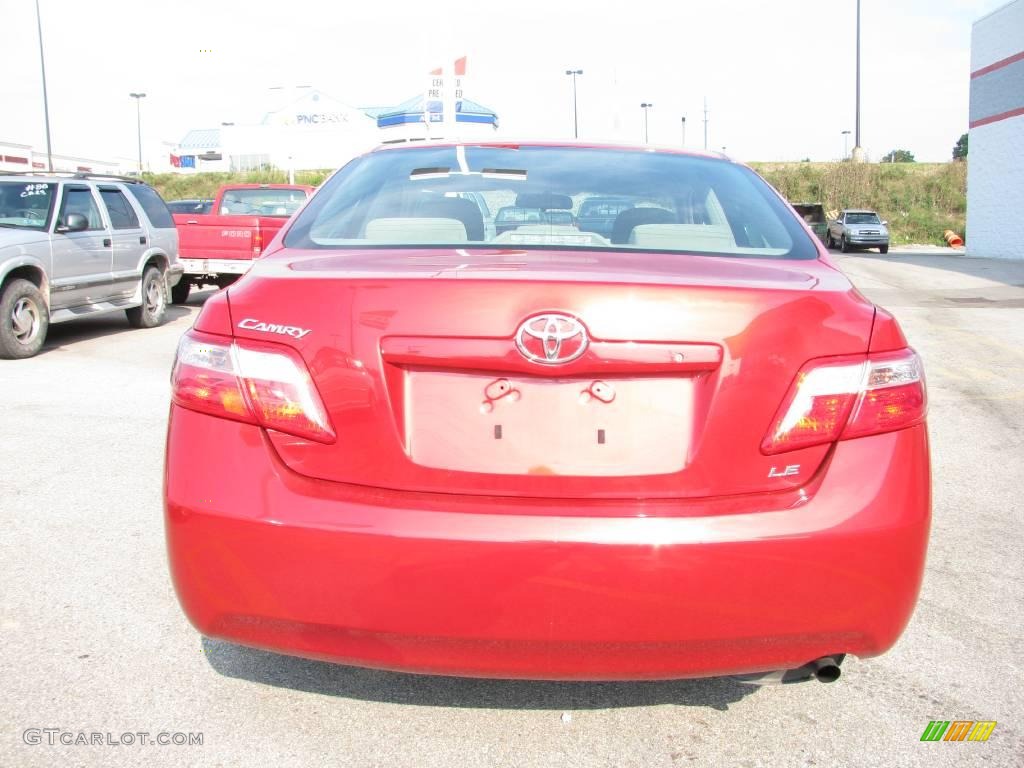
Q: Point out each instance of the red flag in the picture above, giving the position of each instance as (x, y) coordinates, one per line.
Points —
(175, 161)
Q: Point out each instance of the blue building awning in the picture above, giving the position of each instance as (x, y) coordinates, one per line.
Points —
(411, 111)
(201, 139)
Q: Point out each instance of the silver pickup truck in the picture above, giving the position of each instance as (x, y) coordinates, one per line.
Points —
(858, 229)
(75, 245)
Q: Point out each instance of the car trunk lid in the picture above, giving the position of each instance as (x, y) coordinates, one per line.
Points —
(421, 362)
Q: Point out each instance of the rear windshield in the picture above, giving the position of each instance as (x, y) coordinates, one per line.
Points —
(550, 197)
(25, 204)
(262, 202)
(190, 206)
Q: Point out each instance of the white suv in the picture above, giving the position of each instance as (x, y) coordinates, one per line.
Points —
(75, 245)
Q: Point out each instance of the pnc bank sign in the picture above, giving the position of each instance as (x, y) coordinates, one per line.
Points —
(316, 118)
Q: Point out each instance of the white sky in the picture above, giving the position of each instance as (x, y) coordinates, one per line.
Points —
(779, 76)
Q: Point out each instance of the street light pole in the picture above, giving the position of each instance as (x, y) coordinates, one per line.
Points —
(846, 145)
(575, 116)
(46, 101)
(858, 151)
(684, 131)
(645, 106)
(138, 121)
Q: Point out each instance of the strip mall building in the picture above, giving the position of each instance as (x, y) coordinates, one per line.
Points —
(25, 157)
(995, 171)
(314, 131)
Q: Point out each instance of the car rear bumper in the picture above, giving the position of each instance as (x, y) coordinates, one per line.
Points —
(512, 588)
(216, 266)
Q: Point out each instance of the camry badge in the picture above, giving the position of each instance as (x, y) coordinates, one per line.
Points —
(551, 339)
(251, 324)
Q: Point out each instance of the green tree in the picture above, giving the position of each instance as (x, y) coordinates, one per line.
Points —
(899, 156)
(960, 148)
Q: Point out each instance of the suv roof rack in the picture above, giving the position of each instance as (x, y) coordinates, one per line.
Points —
(77, 175)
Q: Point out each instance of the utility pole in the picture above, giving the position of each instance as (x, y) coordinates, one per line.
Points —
(684, 131)
(138, 121)
(46, 101)
(858, 150)
(575, 116)
(645, 106)
(705, 123)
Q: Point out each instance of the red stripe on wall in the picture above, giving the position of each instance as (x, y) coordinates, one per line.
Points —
(996, 118)
(998, 65)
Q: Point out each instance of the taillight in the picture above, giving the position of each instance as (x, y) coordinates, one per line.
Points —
(257, 242)
(840, 398)
(894, 395)
(255, 382)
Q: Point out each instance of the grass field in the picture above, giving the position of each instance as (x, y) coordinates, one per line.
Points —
(919, 200)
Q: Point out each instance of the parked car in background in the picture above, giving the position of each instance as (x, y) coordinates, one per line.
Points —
(814, 216)
(597, 214)
(856, 229)
(190, 206)
(219, 247)
(691, 448)
(534, 209)
(75, 245)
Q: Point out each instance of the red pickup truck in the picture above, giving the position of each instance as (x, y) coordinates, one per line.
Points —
(218, 247)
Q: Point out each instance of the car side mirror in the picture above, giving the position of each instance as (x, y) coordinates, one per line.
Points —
(885, 223)
(73, 222)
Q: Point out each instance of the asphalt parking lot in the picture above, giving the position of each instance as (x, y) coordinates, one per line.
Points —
(91, 637)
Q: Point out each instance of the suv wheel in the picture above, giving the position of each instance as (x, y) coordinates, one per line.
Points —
(180, 292)
(154, 301)
(883, 249)
(843, 245)
(24, 319)
(829, 242)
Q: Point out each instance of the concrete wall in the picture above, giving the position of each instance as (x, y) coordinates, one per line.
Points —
(995, 172)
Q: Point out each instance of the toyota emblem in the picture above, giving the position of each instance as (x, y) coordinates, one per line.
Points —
(551, 339)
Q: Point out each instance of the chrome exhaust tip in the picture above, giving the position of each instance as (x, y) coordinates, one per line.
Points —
(825, 670)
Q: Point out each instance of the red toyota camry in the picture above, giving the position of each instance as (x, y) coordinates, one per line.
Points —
(548, 411)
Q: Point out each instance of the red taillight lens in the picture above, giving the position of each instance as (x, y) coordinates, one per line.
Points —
(281, 392)
(203, 378)
(841, 398)
(894, 395)
(255, 382)
(257, 242)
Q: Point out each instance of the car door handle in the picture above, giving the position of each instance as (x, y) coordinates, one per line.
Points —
(142, 241)
(191, 221)
(106, 242)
